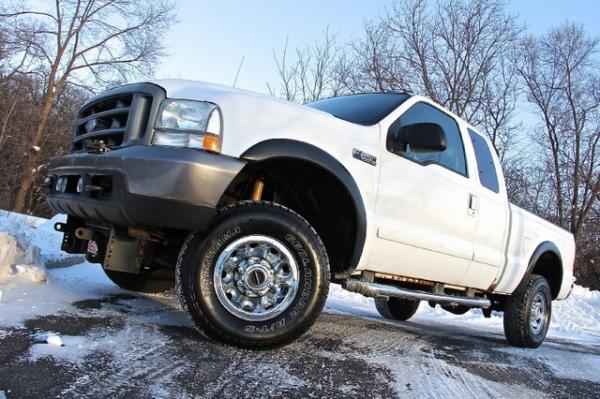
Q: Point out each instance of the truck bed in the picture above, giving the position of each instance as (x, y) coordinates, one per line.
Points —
(526, 232)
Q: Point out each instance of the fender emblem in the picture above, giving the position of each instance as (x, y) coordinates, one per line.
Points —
(364, 156)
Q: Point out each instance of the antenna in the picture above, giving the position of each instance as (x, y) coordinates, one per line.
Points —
(238, 71)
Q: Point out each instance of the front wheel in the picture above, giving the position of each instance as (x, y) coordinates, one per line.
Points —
(259, 278)
(527, 313)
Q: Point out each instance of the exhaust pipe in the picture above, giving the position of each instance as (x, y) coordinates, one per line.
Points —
(374, 290)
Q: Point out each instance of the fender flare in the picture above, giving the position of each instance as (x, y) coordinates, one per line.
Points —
(293, 149)
(541, 249)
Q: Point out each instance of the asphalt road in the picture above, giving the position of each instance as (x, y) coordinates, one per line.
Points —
(132, 346)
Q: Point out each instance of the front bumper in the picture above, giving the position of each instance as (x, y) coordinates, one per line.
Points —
(143, 186)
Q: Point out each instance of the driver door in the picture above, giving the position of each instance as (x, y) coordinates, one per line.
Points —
(425, 210)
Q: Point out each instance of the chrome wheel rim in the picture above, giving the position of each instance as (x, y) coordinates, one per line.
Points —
(538, 313)
(256, 278)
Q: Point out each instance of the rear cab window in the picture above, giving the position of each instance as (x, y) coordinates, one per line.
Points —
(488, 176)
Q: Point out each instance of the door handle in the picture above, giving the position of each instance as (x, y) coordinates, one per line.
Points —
(473, 204)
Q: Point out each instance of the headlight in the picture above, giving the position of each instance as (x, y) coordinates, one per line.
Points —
(187, 123)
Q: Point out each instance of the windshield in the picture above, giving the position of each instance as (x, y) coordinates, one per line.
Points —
(363, 109)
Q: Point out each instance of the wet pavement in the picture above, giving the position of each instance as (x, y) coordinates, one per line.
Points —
(126, 345)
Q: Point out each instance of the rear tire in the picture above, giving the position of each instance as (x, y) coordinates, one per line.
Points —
(527, 313)
(258, 278)
(151, 283)
(457, 310)
(396, 308)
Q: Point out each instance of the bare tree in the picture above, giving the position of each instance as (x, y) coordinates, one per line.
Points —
(84, 43)
(310, 75)
(588, 250)
(17, 122)
(458, 53)
(13, 55)
(528, 185)
(562, 83)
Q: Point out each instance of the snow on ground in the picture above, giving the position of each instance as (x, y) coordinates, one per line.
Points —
(28, 246)
(578, 316)
(33, 232)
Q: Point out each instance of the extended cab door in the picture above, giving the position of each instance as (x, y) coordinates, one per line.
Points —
(424, 213)
(491, 232)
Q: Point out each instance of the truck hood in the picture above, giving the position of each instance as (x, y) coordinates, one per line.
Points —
(250, 117)
(205, 91)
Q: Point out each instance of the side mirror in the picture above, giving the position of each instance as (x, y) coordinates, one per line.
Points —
(422, 137)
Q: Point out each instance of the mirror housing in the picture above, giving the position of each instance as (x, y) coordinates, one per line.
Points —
(422, 137)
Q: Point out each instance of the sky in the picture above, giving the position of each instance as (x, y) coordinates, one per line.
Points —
(211, 37)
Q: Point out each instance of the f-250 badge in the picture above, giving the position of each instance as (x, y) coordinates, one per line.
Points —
(365, 157)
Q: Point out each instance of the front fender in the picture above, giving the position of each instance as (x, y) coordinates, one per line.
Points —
(293, 149)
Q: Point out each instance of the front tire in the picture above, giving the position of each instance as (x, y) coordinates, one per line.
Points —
(527, 313)
(396, 308)
(258, 278)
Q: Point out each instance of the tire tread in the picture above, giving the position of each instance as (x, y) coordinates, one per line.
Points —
(204, 326)
(516, 323)
(396, 308)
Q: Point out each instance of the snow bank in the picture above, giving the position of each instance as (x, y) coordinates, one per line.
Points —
(34, 232)
(27, 245)
(8, 253)
(31, 221)
(579, 313)
(17, 259)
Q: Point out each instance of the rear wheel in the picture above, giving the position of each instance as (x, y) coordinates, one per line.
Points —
(258, 279)
(149, 283)
(527, 313)
(396, 308)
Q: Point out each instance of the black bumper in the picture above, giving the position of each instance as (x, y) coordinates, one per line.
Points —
(143, 186)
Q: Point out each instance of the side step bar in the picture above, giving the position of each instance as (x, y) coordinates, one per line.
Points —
(374, 290)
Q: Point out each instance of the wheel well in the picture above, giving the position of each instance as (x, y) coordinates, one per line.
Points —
(549, 266)
(313, 192)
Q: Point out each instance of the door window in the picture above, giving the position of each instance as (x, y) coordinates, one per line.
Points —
(453, 157)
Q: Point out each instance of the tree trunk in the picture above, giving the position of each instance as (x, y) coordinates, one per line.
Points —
(7, 119)
(29, 173)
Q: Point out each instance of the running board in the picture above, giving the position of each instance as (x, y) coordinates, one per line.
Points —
(374, 290)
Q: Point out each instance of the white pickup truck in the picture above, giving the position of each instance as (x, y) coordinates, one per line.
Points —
(251, 205)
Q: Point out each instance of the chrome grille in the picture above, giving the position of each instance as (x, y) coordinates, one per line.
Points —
(103, 120)
(118, 117)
